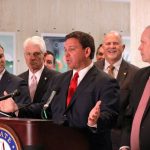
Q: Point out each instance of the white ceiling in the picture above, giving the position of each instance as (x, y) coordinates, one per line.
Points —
(117, 0)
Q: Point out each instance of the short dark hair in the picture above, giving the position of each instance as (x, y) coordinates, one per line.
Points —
(100, 45)
(85, 40)
(50, 53)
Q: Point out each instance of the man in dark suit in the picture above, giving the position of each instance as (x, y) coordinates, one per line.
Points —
(124, 72)
(9, 83)
(92, 85)
(34, 49)
(137, 90)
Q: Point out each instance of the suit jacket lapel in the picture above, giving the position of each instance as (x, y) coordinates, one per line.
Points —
(4, 82)
(147, 108)
(84, 83)
(123, 71)
(42, 81)
(26, 76)
(100, 64)
(66, 82)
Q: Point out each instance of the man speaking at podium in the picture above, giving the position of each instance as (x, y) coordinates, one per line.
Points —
(87, 98)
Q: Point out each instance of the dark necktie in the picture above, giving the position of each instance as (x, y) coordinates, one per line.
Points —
(33, 86)
(138, 117)
(72, 87)
(111, 70)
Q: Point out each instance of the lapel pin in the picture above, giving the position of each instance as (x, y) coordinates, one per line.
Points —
(124, 73)
(45, 78)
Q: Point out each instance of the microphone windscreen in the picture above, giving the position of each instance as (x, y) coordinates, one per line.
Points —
(57, 89)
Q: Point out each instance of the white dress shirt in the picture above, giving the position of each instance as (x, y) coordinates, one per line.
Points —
(116, 65)
(37, 74)
(1, 74)
(83, 72)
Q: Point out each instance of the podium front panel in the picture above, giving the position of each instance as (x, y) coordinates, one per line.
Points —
(38, 134)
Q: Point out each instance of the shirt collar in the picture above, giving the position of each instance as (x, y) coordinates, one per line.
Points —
(116, 65)
(1, 74)
(37, 74)
(83, 72)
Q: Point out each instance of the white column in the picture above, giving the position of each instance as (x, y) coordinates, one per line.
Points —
(139, 19)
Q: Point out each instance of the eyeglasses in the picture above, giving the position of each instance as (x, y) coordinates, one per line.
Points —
(35, 54)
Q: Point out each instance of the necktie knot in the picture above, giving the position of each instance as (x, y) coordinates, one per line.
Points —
(33, 77)
(111, 67)
(111, 70)
(75, 77)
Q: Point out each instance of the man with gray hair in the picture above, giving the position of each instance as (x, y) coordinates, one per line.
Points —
(120, 69)
(37, 76)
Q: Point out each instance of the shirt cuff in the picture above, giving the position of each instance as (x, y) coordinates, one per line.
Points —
(127, 147)
(93, 126)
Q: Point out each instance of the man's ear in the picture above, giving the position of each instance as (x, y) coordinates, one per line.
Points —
(87, 52)
(123, 46)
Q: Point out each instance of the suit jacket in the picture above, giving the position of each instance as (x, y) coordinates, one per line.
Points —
(138, 86)
(10, 82)
(46, 77)
(125, 76)
(96, 85)
(42, 87)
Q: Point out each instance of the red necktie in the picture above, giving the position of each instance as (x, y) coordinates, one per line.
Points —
(72, 87)
(138, 117)
(33, 86)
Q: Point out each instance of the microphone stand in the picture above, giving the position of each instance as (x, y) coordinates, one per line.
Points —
(43, 113)
(5, 115)
(46, 105)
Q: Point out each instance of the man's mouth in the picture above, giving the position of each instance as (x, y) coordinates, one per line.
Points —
(112, 51)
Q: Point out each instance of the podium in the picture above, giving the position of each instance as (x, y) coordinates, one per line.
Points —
(38, 134)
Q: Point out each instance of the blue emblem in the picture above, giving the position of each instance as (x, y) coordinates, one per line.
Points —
(7, 141)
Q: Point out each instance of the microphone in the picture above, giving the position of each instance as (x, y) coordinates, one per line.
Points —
(13, 94)
(46, 105)
(54, 92)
